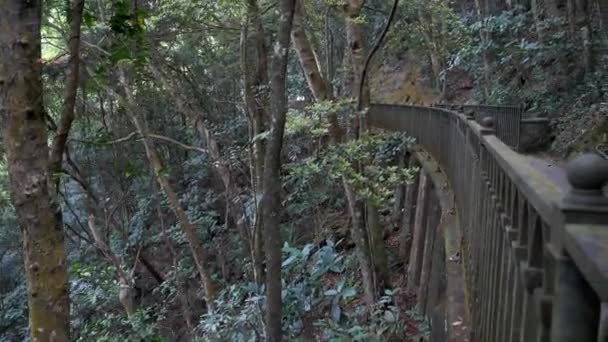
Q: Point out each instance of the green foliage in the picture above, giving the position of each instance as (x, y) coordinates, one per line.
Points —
(429, 28)
(94, 295)
(128, 26)
(384, 323)
(312, 120)
(311, 195)
(238, 315)
(368, 165)
(541, 73)
(13, 312)
(195, 45)
(13, 296)
(308, 294)
(116, 327)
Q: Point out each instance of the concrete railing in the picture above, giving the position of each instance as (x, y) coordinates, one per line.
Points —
(533, 253)
(522, 131)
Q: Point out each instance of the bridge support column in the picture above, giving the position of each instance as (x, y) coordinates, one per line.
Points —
(409, 213)
(434, 215)
(416, 253)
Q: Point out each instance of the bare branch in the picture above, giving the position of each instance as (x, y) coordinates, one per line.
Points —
(387, 26)
(133, 135)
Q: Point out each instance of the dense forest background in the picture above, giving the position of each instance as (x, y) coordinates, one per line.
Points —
(206, 174)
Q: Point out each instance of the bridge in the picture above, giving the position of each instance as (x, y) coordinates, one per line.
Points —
(501, 250)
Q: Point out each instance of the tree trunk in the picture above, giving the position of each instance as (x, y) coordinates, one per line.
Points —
(257, 98)
(126, 282)
(181, 289)
(25, 141)
(257, 102)
(355, 38)
(356, 206)
(307, 56)
(235, 205)
(271, 200)
(256, 126)
(311, 67)
(71, 89)
(398, 208)
(378, 249)
(199, 254)
(356, 209)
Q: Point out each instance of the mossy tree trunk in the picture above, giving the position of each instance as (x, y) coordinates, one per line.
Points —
(25, 140)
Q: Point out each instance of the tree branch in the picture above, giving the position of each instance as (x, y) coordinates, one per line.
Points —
(373, 52)
(71, 89)
(132, 135)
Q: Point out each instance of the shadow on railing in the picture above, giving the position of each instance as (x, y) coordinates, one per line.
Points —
(535, 256)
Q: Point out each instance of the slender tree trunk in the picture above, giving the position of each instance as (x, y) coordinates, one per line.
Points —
(25, 142)
(356, 49)
(256, 123)
(355, 38)
(356, 209)
(255, 87)
(126, 281)
(361, 63)
(235, 205)
(311, 67)
(71, 88)
(398, 208)
(199, 254)
(257, 100)
(181, 289)
(271, 200)
(307, 56)
(378, 249)
(261, 83)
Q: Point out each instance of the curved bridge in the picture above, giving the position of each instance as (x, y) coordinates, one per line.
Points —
(500, 252)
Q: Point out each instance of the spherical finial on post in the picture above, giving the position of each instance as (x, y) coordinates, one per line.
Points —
(588, 171)
(587, 174)
(487, 125)
(470, 114)
(488, 122)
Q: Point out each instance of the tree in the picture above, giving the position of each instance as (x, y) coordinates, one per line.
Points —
(271, 200)
(254, 83)
(309, 61)
(199, 254)
(25, 138)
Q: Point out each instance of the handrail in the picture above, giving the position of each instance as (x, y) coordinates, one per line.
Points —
(535, 254)
(507, 119)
